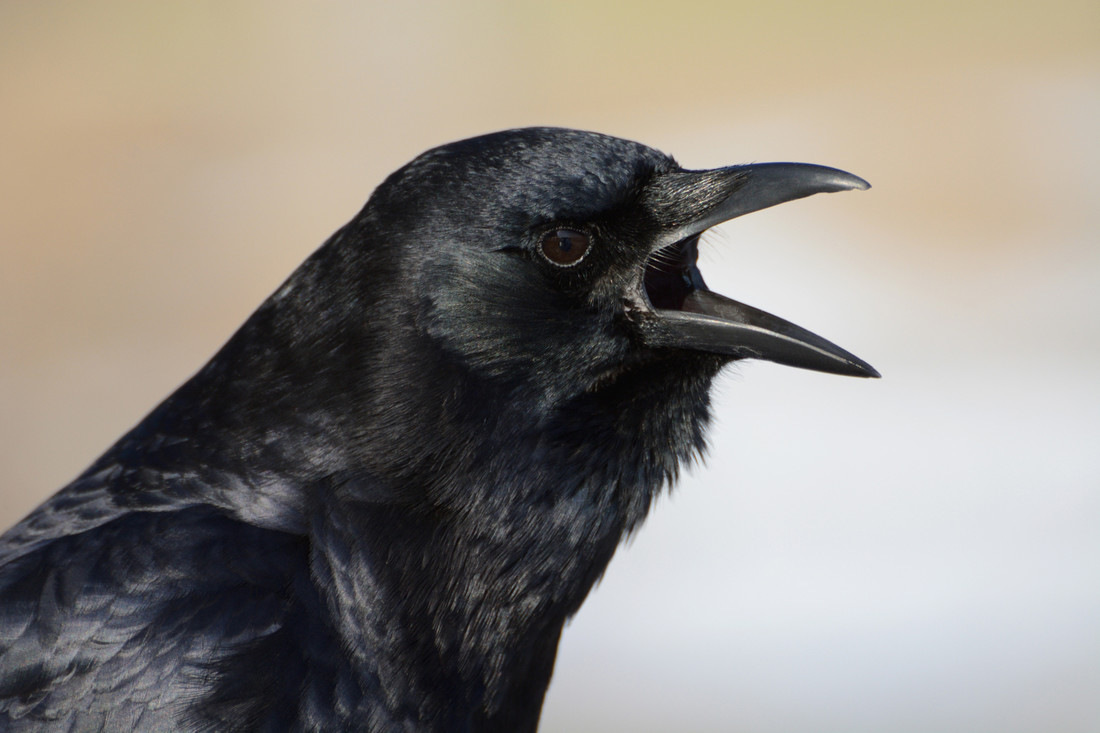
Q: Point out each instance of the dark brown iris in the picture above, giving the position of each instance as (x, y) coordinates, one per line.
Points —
(564, 247)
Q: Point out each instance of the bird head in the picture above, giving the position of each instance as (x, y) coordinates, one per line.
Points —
(557, 259)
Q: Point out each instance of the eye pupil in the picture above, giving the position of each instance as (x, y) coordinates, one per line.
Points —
(564, 247)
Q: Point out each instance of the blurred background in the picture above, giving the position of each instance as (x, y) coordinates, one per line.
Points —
(920, 553)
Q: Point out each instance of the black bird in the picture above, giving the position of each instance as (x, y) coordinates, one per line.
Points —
(377, 505)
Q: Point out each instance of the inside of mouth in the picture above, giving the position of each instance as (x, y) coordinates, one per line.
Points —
(671, 274)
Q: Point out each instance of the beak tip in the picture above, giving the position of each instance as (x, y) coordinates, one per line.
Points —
(846, 367)
(844, 181)
(856, 367)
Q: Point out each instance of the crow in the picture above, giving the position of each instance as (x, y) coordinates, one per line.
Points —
(377, 505)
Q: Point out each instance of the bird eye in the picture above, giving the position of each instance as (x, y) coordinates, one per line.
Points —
(564, 247)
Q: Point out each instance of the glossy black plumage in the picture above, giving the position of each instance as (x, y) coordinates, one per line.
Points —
(377, 505)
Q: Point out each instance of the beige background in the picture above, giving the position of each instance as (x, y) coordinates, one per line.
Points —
(917, 554)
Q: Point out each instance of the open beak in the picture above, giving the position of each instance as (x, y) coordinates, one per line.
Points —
(684, 314)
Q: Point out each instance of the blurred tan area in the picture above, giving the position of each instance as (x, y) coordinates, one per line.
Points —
(163, 166)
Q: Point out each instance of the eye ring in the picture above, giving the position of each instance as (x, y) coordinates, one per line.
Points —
(564, 247)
